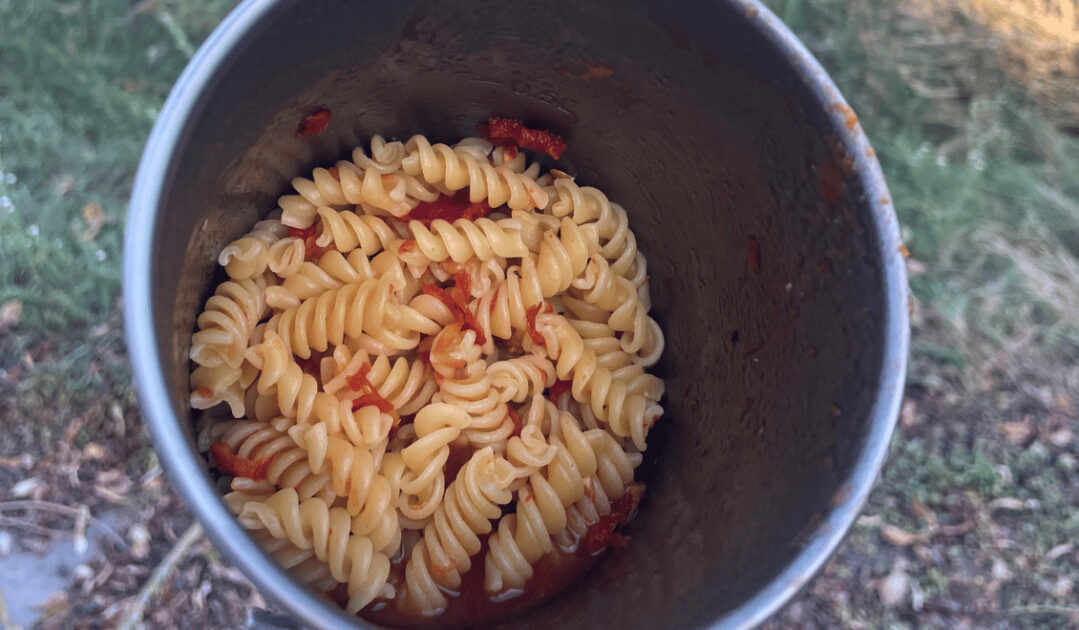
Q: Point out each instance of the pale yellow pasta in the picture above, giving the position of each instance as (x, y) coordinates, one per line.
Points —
(517, 379)
(352, 186)
(614, 294)
(423, 484)
(459, 168)
(584, 460)
(464, 239)
(228, 321)
(450, 540)
(406, 385)
(288, 467)
(249, 255)
(353, 470)
(377, 424)
(589, 206)
(345, 231)
(628, 415)
(327, 318)
(353, 558)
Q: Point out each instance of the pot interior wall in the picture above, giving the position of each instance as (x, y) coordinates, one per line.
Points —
(759, 247)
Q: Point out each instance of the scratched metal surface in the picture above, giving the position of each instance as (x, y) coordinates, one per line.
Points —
(769, 238)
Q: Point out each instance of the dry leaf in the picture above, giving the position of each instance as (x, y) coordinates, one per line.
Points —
(898, 536)
(95, 218)
(928, 516)
(908, 415)
(1058, 551)
(1017, 432)
(1011, 504)
(10, 313)
(54, 604)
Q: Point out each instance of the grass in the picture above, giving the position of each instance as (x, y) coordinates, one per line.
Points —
(80, 86)
(984, 185)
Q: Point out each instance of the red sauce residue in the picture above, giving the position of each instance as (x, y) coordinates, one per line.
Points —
(358, 383)
(753, 253)
(314, 124)
(311, 250)
(516, 419)
(471, 606)
(554, 394)
(747, 404)
(850, 119)
(904, 251)
(509, 132)
(830, 182)
(204, 392)
(824, 265)
(227, 461)
(444, 343)
(448, 209)
(532, 312)
(599, 536)
(458, 305)
(334, 173)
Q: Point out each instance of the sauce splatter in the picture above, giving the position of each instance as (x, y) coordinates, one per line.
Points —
(753, 253)
(830, 183)
(309, 235)
(449, 209)
(509, 132)
(314, 124)
(227, 461)
(554, 394)
(459, 308)
(532, 312)
(850, 119)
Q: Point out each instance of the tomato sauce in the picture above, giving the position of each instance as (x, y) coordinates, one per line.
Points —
(449, 209)
(227, 461)
(472, 606)
(507, 132)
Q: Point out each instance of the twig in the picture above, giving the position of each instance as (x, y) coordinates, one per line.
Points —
(5, 620)
(33, 527)
(160, 574)
(1043, 609)
(47, 506)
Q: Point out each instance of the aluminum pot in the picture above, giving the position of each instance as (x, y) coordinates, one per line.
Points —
(772, 246)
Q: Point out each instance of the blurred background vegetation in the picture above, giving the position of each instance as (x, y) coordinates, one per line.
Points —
(973, 108)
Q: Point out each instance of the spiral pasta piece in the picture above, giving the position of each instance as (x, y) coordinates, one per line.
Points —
(464, 239)
(563, 255)
(584, 461)
(351, 310)
(423, 484)
(249, 255)
(353, 471)
(353, 559)
(451, 538)
(628, 313)
(459, 168)
(344, 184)
(406, 385)
(628, 415)
(589, 206)
(519, 378)
(228, 321)
(288, 467)
(345, 231)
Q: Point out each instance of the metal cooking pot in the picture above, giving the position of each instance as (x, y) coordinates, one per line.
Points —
(771, 242)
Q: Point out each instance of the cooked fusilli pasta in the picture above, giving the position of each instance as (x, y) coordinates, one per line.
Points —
(440, 354)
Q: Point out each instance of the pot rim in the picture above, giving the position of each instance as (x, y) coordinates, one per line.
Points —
(188, 474)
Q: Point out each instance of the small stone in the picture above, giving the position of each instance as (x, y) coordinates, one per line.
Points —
(26, 487)
(140, 540)
(893, 587)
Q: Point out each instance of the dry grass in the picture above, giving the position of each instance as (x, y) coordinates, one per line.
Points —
(1036, 43)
